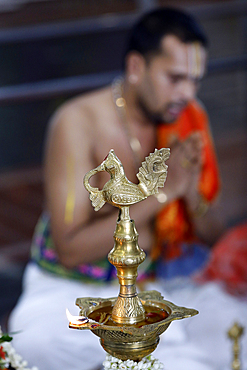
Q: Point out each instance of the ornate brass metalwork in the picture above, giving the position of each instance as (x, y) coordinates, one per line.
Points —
(123, 322)
(130, 341)
(235, 333)
(119, 191)
(126, 255)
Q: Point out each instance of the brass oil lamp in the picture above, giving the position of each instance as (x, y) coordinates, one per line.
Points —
(129, 325)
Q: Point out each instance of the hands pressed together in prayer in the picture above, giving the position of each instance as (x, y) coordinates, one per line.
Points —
(184, 168)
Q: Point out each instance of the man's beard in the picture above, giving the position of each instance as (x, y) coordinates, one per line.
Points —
(161, 117)
(155, 117)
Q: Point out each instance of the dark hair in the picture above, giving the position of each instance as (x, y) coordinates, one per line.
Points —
(146, 35)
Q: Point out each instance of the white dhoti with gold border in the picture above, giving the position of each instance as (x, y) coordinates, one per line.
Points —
(198, 343)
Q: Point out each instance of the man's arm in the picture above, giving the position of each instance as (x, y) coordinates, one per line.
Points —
(79, 235)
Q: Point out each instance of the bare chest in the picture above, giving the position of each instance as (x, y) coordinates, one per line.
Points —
(117, 137)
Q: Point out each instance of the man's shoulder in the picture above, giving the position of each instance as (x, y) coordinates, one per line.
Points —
(92, 98)
(83, 109)
(86, 102)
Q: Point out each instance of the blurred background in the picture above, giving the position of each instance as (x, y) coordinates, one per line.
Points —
(51, 50)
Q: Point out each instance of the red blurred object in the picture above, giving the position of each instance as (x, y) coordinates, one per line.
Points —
(228, 261)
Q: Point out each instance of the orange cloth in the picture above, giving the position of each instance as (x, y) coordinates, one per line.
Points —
(173, 224)
(228, 261)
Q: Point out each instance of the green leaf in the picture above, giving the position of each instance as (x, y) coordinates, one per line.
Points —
(5, 338)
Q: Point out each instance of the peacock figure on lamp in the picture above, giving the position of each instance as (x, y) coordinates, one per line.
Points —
(129, 325)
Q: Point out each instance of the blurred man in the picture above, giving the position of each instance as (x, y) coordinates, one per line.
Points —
(152, 105)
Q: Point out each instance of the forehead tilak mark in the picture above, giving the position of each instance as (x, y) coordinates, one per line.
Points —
(195, 60)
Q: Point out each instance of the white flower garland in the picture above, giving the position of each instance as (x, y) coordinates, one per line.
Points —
(147, 363)
(12, 358)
